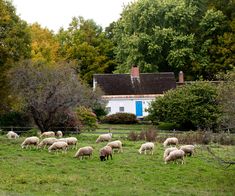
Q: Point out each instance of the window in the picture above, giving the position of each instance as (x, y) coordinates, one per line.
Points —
(121, 109)
(108, 109)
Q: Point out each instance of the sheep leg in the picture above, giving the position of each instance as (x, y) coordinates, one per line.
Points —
(111, 157)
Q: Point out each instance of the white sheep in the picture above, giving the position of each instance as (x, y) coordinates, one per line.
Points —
(30, 141)
(84, 151)
(71, 141)
(105, 152)
(188, 149)
(104, 137)
(147, 146)
(12, 135)
(48, 134)
(167, 151)
(59, 134)
(58, 146)
(47, 142)
(116, 145)
(170, 141)
(174, 155)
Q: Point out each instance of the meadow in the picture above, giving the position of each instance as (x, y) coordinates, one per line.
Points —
(37, 172)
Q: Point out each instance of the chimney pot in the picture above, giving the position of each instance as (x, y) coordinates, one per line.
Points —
(181, 77)
(135, 73)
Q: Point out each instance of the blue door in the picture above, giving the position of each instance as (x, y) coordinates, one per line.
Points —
(139, 108)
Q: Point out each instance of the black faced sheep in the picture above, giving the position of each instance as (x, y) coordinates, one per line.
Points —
(105, 152)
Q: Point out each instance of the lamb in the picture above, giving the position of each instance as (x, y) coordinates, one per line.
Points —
(116, 145)
(48, 134)
(188, 149)
(104, 137)
(30, 141)
(147, 146)
(59, 134)
(105, 152)
(174, 155)
(71, 141)
(171, 141)
(84, 151)
(12, 135)
(167, 151)
(58, 145)
(47, 142)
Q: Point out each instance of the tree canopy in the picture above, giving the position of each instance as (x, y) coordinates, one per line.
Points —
(174, 35)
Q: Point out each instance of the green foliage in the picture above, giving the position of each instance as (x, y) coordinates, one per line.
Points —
(175, 35)
(167, 126)
(87, 118)
(87, 44)
(120, 118)
(14, 45)
(191, 106)
(17, 119)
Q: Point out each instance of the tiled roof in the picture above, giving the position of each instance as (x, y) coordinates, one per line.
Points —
(124, 84)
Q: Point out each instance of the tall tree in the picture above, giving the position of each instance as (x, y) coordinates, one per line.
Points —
(50, 93)
(171, 35)
(14, 45)
(87, 44)
(45, 46)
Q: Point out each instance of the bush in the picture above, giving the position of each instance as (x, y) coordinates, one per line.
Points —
(87, 118)
(120, 118)
(167, 126)
(150, 135)
(17, 119)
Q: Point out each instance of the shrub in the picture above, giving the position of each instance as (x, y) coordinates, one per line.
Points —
(150, 135)
(167, 126)
(120, 118)
(87, 118)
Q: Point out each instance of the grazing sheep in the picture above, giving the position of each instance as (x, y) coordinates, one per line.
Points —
(105, 152)
(147, 146)
(84, 151)
(48, 134)
(188, 149)
(59, 134)
(71, 141)
(47, 142)
(174, 155)
(116, 145)
(12, 135)
(167, 151)
(58, 146)
(171, 141)
(30, 141)
(104, 137)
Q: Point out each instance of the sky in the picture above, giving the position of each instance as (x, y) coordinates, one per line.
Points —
(54, 14)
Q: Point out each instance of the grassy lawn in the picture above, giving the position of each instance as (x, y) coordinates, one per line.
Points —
(37, 172)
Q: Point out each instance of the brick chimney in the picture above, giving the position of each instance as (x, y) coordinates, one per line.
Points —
(181, 77)
(135, 73)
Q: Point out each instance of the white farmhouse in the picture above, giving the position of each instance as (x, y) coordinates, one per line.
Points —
(133, 92)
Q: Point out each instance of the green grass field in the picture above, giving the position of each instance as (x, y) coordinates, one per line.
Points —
(37, 172)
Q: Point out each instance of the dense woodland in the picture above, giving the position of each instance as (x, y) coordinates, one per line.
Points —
(39, 68)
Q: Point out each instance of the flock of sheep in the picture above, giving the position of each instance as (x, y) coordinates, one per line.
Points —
(54, 144)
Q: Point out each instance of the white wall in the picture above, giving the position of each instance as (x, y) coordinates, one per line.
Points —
(129, 104)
